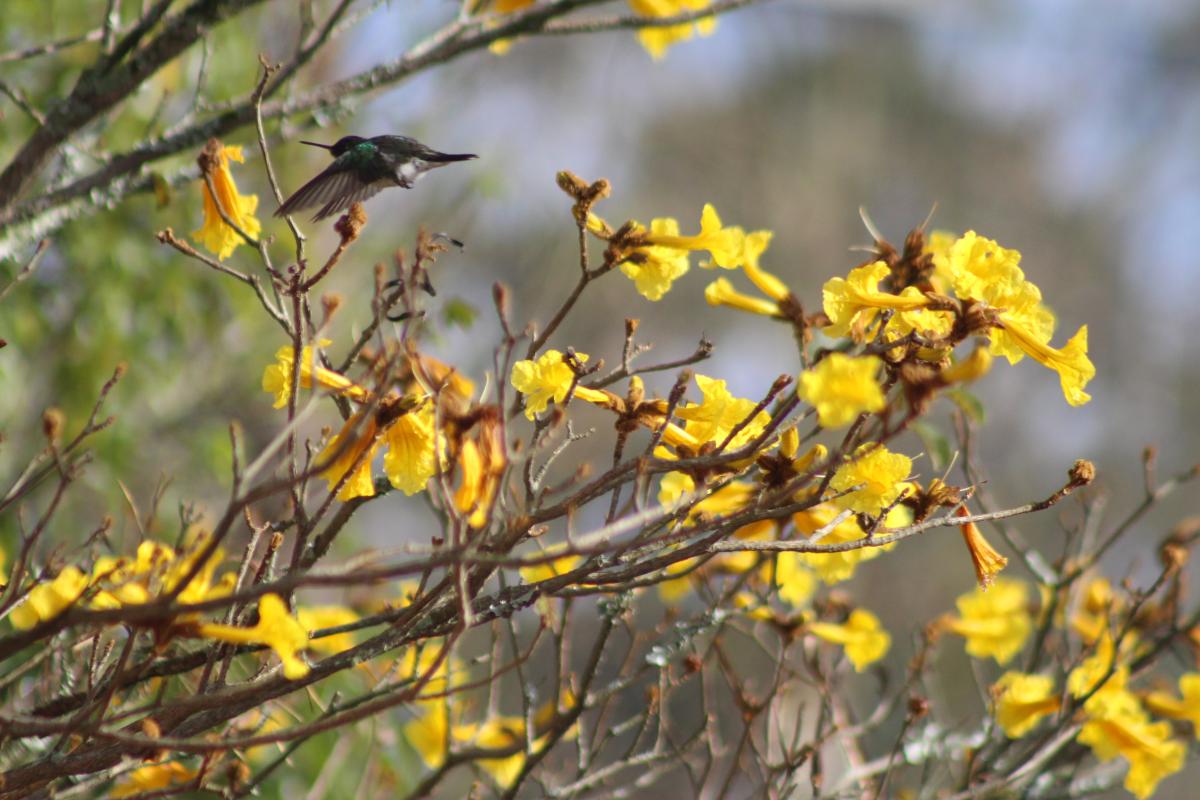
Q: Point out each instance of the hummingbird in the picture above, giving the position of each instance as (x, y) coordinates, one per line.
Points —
(363, 167)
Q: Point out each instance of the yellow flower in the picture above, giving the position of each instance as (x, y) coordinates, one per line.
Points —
(995, 623)
(851, 303)
(502, 733)
(549, 378)
(986, 560)
(1095, 668)
(1117, 725)
(201, 587)
(550, 569)
(863, 637)
(730, 498)
(1186, 707)
(316, 618)
(432, 732)
(1022, 700)
(837, 567)
(726, 245)
(657, 40)
(938, 245)
(481, 469)
(721, 412)
(429, 733)
(214, 234)
(796, 581)
(1090, 620)
(277, 377)
(878, 471)
(411, 458)
(157, 570)
(444, 378)
(985, 272)
(756, 244)
(672, 590)
(841, 387)
(354, 458)
(502, 6)
(276, 628)
(659, 267)
(1072, 364)
(969, 369)
(721, 293)
(49, 599)
(926, 322)
(152, 777)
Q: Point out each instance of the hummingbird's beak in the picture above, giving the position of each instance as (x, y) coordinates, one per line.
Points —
(318, 144)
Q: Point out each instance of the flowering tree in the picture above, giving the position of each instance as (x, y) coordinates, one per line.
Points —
(666, 609)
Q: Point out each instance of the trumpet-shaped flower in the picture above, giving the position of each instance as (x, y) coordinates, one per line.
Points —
(1072, 364)
(654, 268)
(482, 464)
(349, 455)
(214, 234)
(721, 293)
(862, 636)
(879, 474)
(156, 570)
(797, 581)
(729, 499)
(985, 272)
(411, 458)
(1022, 701)
(720, 413)
(549, 378)
(986, 560)
(49, 599)
(657, 40)
(549, 569)
(756, 244)
(276, 628)
(429, 733)
(1185, 707)
(995, 623)
(502, 733)
(969, 369)
(1096, 606)
(1117, 725)
(726, 245)
(316, 618)
(277, 377)
(852, 303)
(152, 777)
(841, 387)
(1097, 672)
(837, 567)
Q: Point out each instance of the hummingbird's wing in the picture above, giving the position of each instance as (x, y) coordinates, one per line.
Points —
(335, 189)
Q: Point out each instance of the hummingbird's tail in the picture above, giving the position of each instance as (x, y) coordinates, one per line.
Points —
(446, 158)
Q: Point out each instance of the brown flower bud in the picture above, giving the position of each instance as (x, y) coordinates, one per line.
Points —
(53, 420)
(1082, 472)
(571, 183)
(330, 303)
(210, 157)
(351, 223)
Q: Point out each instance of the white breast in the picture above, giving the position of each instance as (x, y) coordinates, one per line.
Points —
(411, 170)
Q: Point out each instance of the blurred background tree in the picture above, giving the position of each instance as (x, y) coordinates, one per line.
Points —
(1064, 127)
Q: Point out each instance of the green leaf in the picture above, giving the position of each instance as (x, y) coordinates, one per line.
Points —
(971, 405)
(459, 313)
